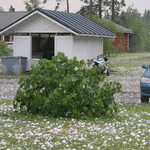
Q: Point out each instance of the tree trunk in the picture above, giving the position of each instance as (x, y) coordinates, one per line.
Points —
(113, 11)
(100, 8)
(90, 9)
(67, 6)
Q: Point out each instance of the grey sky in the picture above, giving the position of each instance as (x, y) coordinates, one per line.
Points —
(74, 5)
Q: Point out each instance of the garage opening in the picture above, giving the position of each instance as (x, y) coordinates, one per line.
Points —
(42, 46)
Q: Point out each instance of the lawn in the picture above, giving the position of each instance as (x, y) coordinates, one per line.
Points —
(129, 57)
(128, 64)
(130, 129)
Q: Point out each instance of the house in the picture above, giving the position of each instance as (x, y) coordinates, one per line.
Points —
(43, 33)
(7, 18)
(123, 39)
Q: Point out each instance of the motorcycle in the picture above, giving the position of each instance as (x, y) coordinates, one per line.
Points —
(102, 63)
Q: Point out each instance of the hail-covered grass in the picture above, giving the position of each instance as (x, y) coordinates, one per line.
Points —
(130, 129)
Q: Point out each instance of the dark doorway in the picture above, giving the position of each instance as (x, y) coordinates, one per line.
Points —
(42, 46)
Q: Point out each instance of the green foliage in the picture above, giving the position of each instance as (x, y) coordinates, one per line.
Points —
(66, 88)
(32, 4)
(4, 50)
(146, 16)
(132, 19)
(107, 46)
(109, 25)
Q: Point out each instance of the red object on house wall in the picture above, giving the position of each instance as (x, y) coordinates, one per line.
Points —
(122, 39)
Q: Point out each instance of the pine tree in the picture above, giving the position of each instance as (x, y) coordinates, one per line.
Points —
(96, 5)
(115, 7)
(11, 9)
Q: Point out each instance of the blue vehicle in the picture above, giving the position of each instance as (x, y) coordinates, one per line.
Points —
(145, 84)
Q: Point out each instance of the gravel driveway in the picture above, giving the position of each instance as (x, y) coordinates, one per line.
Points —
(129, 92)
(8, 88)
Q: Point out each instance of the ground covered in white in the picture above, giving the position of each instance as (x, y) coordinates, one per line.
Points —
(129, 130)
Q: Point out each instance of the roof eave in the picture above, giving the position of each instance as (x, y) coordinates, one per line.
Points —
(99, 36)
(128, 32)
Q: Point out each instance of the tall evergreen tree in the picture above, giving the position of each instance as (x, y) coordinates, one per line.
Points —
(113, 10)
(100, 8)
(11, 9)
(115, 7)
(91, 9)
(96, 5)
(146, 16)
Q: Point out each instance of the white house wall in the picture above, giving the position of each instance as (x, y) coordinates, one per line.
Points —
(22, 47)
(95, 47)
(87, 47)
(81, 47)
(39, 24)
(64, 44)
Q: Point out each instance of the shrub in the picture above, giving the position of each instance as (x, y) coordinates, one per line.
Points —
(66, 88)
(4, 50)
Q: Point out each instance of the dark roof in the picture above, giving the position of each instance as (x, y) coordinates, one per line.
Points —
(75, 22)
(121, 28)
(7, 18)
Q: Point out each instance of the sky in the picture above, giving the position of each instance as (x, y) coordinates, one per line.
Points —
(74, 5)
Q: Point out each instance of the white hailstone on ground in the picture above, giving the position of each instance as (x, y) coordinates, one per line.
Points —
(132, 134)
(3, 142)
(117, 137)
(124, 142)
